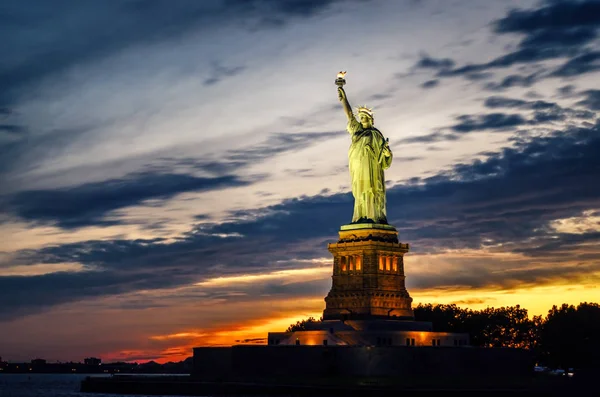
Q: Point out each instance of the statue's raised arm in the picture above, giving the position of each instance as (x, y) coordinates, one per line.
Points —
(345, 104)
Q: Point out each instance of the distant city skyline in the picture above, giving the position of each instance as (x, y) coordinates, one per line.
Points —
(171, 172)
(36, 358)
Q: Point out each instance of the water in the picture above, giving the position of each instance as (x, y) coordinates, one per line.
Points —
(47, 385)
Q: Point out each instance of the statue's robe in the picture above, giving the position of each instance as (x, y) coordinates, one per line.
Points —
(367, 162)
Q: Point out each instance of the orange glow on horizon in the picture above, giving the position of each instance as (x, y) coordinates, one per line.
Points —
(253, 331)
(537, 299)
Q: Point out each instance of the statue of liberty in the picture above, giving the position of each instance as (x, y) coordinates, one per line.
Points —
(368, 156)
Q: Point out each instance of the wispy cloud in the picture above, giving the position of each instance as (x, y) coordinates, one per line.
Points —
(554, 30)
(91, 203)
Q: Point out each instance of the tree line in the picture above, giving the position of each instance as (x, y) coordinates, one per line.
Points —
(567, 337)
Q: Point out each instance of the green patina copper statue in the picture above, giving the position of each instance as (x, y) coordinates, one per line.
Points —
(368, 156)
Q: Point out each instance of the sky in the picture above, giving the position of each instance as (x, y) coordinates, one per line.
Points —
(171, 172)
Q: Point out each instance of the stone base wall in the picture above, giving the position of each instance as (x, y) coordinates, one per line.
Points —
(389, 361)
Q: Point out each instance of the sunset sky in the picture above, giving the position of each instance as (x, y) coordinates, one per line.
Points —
(172, 171)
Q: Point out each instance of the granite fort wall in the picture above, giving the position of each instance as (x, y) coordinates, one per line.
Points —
(320, 361)
(213, 362)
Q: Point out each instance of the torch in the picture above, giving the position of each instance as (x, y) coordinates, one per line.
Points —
(340, 81)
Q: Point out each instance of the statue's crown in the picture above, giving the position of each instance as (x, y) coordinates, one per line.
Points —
(365, 110)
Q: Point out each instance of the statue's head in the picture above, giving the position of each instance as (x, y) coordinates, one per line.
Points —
(365, 115)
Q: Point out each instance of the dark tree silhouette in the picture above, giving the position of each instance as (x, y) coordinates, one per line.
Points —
(502, 327)
(301, 325)
(445, 318)
(570, 336)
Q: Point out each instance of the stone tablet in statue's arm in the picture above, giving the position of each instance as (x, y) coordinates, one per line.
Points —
(385, 158)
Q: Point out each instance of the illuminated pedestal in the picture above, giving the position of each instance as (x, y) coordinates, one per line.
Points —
(368, 304)
(368, 275)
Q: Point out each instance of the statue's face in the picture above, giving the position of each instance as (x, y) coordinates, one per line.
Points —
(365, 120)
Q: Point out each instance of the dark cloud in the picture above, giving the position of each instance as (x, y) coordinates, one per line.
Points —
(592, 100)
(562, 246)
(91, 203)
(430, 83)
(478, 76)
(582, 64)
(25, 295)
(545, 117)
(11, 128)
(490, 121)
(513, 80)
(379, 97)
(508, 198)
(220, 72)
(562, 38)
(427, 62)
(554, 30)
(503, 102)
(488, 275)
(566, 90)
(556, 15)
(544, 111)
(524, 55)
(527, 55)
(286, 8)
(533, 94)
(429, 138)
(407, 159)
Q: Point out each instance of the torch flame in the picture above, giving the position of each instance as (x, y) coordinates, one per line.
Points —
(341, 75)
